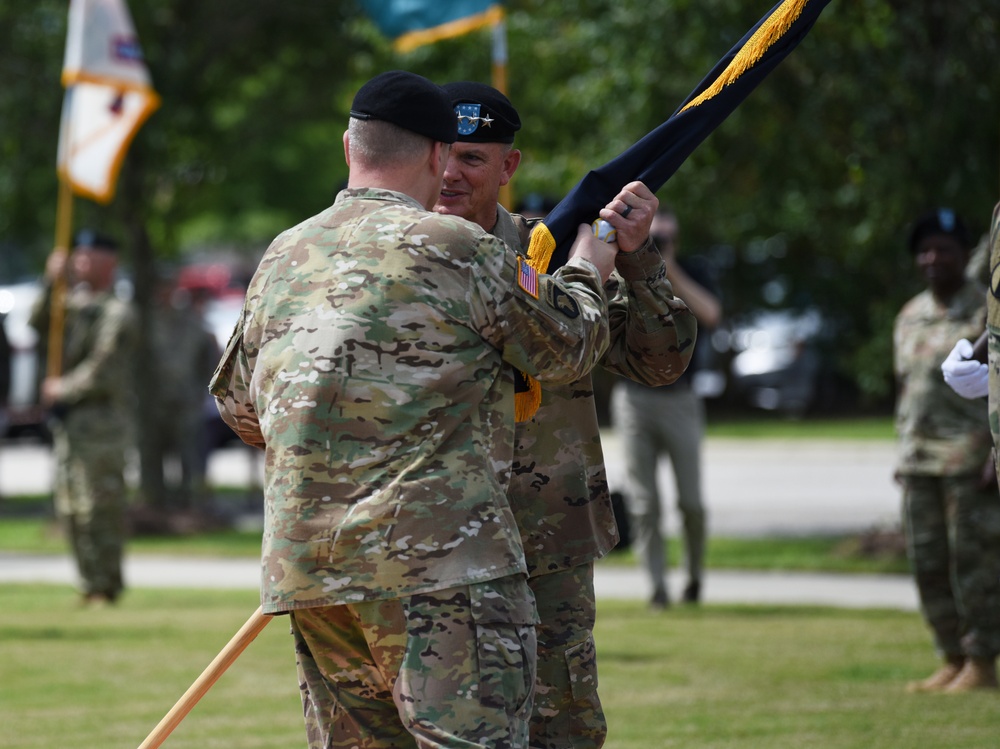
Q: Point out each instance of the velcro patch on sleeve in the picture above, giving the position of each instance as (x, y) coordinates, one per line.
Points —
(562, 302)
(527, 277)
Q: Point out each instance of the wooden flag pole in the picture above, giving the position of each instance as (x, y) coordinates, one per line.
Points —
(57, 308)
(247, 633)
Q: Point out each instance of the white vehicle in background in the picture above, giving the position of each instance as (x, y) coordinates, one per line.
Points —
(23, 411)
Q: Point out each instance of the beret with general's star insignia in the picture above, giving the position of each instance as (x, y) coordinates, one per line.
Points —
(409, 101)
(484, 114)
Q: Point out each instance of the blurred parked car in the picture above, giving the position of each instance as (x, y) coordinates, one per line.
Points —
(777, 362)
(24, 413)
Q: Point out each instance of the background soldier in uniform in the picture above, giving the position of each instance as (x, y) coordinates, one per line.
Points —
(951, 511)
(186, 354)
(559, 489)
(90, 400)
(373, 363)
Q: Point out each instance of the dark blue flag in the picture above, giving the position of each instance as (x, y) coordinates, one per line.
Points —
(655, 158)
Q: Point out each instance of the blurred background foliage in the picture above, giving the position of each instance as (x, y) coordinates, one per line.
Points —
(801, 198)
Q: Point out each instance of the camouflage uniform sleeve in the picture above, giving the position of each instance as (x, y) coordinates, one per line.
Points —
(99, 373)
(652, 332)
(552, 327)
(230, 385)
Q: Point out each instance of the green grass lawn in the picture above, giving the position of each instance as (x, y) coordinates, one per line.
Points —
(777, 426)
(711, 677)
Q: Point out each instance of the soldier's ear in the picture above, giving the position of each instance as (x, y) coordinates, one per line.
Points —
(510, 163)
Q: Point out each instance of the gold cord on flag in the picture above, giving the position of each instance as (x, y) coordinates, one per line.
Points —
(776, 26)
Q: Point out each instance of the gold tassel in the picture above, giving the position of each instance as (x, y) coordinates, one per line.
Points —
(541, 245)
(527, 403)
(776, 26)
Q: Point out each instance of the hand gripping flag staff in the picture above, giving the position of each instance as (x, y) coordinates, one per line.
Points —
(655, 158)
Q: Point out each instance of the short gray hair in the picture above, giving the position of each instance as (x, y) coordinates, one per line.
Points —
(376, 143)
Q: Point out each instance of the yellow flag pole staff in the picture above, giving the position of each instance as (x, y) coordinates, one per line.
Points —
(655, 158)
(246, 634)
(57, 314)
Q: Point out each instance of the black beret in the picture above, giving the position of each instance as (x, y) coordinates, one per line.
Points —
(939, 221)
(484, 114)
(91, 238)
(408, 100)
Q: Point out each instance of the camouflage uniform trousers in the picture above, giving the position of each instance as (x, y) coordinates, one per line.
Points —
(450, 668)
(651, 422)
(953, 542)
(90, 501)
(567, 711)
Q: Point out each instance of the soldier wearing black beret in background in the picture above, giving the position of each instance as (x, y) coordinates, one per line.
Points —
(373, 362)
(90, 398)
(559, 488)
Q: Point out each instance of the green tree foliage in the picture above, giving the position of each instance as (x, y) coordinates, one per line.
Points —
(802, 196)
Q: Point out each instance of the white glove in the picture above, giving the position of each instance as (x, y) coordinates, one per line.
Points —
(967, 377)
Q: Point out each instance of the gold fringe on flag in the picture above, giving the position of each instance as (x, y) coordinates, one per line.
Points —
(541, 245)
(770, 31)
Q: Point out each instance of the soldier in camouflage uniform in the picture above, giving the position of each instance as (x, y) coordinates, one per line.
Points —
(90, 400)
(993, 335)
(373, 362)
(951, 512)
(559, 490)
(186, 354)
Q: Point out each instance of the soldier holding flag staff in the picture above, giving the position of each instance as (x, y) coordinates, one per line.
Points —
(90, 401)
(373, 363)
(559, 488)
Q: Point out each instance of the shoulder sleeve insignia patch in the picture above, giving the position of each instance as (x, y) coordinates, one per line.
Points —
(561, 301)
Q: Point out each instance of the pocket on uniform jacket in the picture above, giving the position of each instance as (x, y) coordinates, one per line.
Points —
(581, 662)
(505, 618)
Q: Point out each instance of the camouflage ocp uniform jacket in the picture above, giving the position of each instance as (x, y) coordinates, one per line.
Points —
(370, 364)
(559, 489)
(940, 432)
(993, 324)
(99, 339)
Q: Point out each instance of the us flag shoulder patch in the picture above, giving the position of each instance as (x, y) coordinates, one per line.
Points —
(527, 277)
